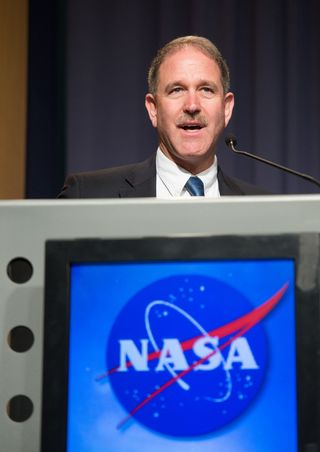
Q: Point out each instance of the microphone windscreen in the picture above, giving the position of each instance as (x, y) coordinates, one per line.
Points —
(231, 139)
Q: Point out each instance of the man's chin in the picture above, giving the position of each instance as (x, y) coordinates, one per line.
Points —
(194, 154)
(193, 161)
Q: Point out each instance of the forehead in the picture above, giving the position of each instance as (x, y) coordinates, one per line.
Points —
(188, 63)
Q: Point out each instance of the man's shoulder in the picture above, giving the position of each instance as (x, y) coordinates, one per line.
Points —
(232, 186)
(107, 182)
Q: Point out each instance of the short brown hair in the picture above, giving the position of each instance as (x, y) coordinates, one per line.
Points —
(203, 44)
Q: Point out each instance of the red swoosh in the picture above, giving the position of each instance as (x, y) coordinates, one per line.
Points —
(257, 314)
(243, 324)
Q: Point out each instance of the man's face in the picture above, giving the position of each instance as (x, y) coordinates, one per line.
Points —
(190, 109)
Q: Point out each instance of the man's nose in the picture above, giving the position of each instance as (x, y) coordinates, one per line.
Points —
(192, 103)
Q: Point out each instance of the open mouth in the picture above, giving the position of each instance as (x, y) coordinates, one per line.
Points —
(191, 126)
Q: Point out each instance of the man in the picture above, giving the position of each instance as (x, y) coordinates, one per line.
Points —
(189, 103)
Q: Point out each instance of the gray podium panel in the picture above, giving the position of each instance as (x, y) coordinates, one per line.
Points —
(26, 225)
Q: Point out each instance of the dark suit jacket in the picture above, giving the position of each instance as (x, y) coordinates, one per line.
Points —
(137, 181)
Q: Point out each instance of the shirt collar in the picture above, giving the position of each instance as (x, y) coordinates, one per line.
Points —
(174, 177)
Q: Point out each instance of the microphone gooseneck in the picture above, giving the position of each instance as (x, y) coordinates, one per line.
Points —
(231, 142)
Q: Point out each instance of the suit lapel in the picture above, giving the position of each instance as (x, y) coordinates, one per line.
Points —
(227, 187)
(141, 181)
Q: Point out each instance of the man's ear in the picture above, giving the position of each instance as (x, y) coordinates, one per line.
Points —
(151, 106)
(228, 107)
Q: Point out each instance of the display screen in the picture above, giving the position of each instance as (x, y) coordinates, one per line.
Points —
(179, 355)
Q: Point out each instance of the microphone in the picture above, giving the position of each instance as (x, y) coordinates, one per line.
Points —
(231, 142)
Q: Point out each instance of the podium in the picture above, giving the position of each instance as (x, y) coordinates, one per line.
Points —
(26, 226)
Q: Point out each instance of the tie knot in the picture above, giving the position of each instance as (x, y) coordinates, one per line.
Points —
(195, 186)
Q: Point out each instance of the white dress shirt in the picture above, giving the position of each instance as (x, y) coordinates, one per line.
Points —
(171, 179)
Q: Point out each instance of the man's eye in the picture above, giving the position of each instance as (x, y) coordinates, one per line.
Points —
(207, 89)
(176, 89)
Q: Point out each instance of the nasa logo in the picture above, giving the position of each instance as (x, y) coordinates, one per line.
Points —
(187, 355)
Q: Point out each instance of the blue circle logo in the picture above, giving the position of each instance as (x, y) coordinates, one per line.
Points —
(186, 355)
